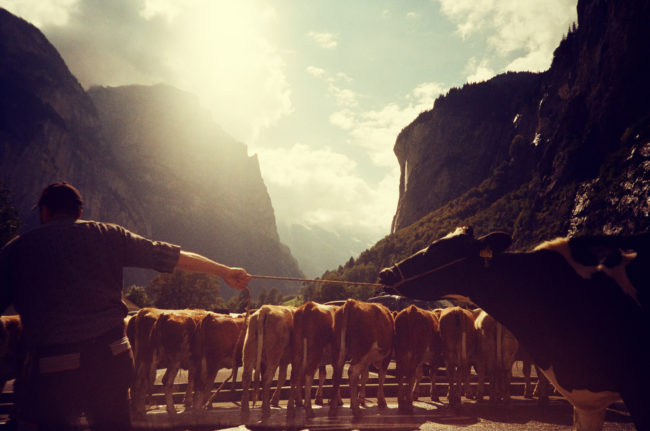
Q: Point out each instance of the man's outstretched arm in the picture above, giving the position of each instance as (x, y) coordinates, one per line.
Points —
(237, 278)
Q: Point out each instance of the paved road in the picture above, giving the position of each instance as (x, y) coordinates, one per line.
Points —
(522, 415)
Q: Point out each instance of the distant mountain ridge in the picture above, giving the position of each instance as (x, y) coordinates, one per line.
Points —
(149, 158)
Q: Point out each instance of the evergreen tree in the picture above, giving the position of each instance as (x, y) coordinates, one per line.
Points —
(182, 289)
(138, 295)
(9, 221)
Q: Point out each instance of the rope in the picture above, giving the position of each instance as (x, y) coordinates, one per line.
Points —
(351, 283)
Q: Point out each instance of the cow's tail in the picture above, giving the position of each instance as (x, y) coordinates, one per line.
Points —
(499, 352)
(344, 326)
(234, 366)
(260, 345)
(303, 365)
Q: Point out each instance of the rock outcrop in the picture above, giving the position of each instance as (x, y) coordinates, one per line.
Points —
(585, 123)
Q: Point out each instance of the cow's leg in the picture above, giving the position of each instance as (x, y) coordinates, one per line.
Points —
(433, 369)
(411, 383)
(543, 387)
(322, 375)
(588, 420)
(528, 387)
(337, 372)
(362, 385)
(507, 377)
(415, 389)
(481, 372)
(282, 379)
(309, 380)
(168, 383)
(383, 369)
(454, 384)
(189, 388)
(354, 372)
(208, 376)
(465, 373)
(267, 380)
(401, 389)
(245, 386)
(294, 389)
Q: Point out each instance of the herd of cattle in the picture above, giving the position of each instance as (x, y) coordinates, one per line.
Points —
(309, 337)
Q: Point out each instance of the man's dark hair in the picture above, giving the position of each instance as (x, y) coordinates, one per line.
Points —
(61, 197)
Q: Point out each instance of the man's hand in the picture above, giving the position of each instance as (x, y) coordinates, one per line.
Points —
(237, 278)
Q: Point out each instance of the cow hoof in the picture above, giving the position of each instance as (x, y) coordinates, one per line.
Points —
(382, 404)
(319, 401)
(310, 414)
(333, 411)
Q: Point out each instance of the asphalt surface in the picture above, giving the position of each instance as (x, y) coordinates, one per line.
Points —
(521, 414)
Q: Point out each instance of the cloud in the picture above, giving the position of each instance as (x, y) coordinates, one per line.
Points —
(221, 51)
(315, 71)
(527, 31)
(324, 40)
(375, 130)
(343, 96)
(168, 9)
(478, 71)
(332, 192)
(39, 13)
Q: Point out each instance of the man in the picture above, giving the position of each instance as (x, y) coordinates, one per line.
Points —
(65, 280)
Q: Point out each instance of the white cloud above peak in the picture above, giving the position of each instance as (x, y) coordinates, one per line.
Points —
(525, 33)
(324, 40)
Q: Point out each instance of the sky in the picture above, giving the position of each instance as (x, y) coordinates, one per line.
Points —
(318, 89)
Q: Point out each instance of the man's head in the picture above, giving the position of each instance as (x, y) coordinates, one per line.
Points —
(59, 199)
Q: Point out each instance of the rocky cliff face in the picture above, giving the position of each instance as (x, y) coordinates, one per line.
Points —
(585, 123)
(49, 131)
(149, 158)
(459, 143)
(199, 186)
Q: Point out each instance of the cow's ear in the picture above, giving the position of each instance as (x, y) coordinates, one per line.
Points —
(496, 241)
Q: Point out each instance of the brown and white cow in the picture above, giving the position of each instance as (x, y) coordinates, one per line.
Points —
(313, 332)
(417, 342)
(173, 336)
(138, 331)
(363, 332)
(217, 344)
(267, 347)
(497, 349)
(459, 350)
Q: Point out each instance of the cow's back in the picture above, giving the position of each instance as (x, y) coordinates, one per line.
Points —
(415, 331)
(367, 324)
(457, 333)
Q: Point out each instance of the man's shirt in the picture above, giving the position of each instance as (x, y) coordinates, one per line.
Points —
(65, 277)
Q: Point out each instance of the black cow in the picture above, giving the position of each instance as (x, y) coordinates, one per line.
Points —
(588, 335)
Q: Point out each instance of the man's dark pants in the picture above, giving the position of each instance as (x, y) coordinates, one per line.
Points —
(62, 382)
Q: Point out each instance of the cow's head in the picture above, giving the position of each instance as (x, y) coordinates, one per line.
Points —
(453, 248)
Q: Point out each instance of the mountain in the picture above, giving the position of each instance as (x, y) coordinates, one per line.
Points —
(318, 249)
(149, 158)
(539, 155)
